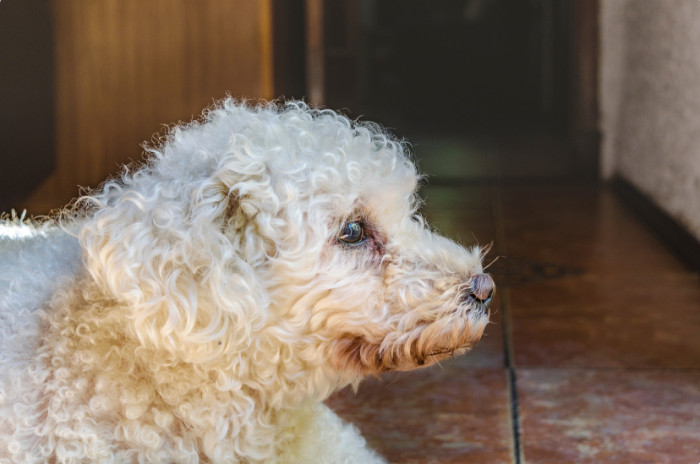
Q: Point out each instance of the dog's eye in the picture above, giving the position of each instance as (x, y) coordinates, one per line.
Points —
(352, 232)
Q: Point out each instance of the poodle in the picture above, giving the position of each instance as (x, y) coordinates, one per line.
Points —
(200, 307)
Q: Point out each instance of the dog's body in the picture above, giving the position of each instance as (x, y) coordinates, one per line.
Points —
(201, 307)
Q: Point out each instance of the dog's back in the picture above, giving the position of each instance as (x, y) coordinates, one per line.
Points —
(35, 260)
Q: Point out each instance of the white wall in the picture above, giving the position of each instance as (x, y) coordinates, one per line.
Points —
(650, 101)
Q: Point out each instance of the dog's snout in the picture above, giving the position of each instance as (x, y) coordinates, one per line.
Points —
(481, 288)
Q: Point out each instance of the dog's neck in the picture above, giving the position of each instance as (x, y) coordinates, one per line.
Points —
(91, 353)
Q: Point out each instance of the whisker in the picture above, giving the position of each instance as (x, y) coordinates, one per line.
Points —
(438, 353)
(493, 262)
(438, 363)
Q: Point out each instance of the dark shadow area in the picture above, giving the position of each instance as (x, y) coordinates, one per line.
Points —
(480, 88)
(26, 95)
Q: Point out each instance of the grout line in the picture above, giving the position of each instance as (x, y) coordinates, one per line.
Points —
(512, 380)
(508, 349)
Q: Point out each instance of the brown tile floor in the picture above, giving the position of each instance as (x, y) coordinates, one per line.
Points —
(594, 348)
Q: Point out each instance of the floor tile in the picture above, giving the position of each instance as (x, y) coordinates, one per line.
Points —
(579, 225)
(609, 416)
(443, 414)
(608, 321)
(629, 304)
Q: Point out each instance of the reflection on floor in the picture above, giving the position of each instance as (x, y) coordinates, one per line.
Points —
(593, 355)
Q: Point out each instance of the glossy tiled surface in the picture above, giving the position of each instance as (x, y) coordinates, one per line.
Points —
(583, 322)
(598, 323)
(453, 414)
(609, 416)
(633, 305)
(607, 361)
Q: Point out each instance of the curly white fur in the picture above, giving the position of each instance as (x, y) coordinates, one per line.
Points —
(214, 306)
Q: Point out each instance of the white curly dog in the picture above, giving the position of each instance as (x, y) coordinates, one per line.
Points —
(201, 307)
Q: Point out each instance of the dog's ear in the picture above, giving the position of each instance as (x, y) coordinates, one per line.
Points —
(164, 252)
(250, 220)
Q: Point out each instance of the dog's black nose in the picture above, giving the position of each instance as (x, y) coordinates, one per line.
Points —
(481, 288)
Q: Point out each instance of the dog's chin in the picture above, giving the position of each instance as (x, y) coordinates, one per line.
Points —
(441, 354)
(453, 341)
(425, 345)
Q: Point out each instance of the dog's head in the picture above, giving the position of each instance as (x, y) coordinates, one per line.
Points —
(285, 242)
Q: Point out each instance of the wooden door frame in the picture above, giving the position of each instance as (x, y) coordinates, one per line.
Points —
(584, 129)
(315, 52)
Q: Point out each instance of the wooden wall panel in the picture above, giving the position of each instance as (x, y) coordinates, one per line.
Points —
(126, 67)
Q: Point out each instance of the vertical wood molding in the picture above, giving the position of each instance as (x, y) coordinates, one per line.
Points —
(584, 115)
(315, 53)
(267, 52)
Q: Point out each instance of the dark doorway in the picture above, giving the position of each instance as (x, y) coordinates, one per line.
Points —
(482, 87)
(463, 62)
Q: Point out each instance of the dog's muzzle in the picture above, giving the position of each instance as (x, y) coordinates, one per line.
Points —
(480, 291)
